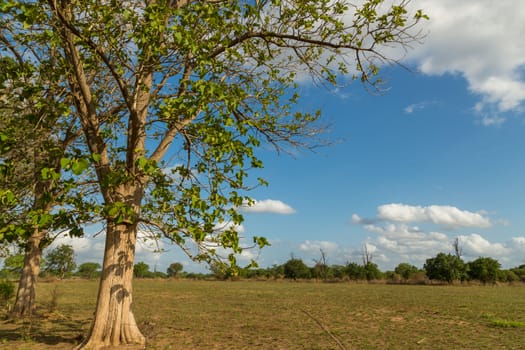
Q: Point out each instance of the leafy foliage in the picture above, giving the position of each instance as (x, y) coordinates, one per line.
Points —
(372, 271)
(406, 270)
(37, 131)
(215, 101)
(174, 269)
(7, 291)
(445, 267)
(60, 261)
(173, 99)
(355, 271)
(14, 263)
(141, 270)
(484, 269)
(296, 269)
(89, 270)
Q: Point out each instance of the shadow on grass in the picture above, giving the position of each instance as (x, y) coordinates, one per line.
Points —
(52, 330)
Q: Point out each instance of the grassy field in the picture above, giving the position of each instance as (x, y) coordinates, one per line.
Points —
(180, 314)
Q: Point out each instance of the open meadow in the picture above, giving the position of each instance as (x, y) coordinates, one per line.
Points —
(184, 314)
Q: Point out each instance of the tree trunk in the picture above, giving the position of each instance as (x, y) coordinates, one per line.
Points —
(114, 324)
(25, 296)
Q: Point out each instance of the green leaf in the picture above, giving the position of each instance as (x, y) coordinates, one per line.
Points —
(96, 157)
(64, 163)
(44, 173)
(79, 165)
(261, 241)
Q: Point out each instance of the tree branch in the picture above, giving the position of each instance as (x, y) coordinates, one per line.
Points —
(97, 49)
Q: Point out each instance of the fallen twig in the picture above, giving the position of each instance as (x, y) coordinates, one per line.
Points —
(341, 346)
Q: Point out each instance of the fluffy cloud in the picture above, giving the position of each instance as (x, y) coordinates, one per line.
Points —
(315, 246)
(91, 247)
(482, 41)
(474, 245)
(396, 241)
(87, 248)
(269, 206)
(405, 241)
(444, 215)
(519, 243)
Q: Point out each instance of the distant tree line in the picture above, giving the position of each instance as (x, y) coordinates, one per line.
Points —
(58, 262)
(443, 268)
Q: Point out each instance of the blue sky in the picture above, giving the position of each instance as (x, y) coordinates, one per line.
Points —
(439, 155)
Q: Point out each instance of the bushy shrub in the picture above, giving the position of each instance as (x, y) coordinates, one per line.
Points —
(406, 271)
(296, 268)
(484, 269)
(7, 291)
(445, 267)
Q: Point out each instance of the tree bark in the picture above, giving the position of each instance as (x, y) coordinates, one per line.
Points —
(114, 324)
(26, 294)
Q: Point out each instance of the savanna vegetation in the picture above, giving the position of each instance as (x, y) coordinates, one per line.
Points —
(147, 116)
(283, 314)
(443, 268)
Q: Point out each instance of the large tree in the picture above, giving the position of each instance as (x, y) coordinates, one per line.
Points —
(174, 269)
(295, 268)
(445, 267)
(33, 114)
(174, 96)
(406, 270)
(484, 269)
(61, 260)
(89, 269)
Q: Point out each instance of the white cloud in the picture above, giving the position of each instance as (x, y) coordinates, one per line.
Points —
(518, 243)
(474, 246)
(158, 254)
(415, 107)
(221, 227)
(482, 41)
(87, 248)
(411, 108)
(79, 244)
(148, 242)
(402, 239)
(269, 206)
(396, 241)
(444, 215)
(316, 246)
(492, 120)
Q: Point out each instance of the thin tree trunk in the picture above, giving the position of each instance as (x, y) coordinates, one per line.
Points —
(26, 294)
(114, 324)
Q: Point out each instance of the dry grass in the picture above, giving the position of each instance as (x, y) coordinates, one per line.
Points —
(179, 314)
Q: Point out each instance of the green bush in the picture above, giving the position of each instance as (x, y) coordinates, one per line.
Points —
(484, 269)
(7, 291)
(445, 267)
(296, 268)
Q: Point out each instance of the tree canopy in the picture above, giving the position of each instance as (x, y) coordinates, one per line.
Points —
(295, 268)
(174, 97)
(406, 270)
(89, 269)
(174, 269)
(38, 139)
(60, 261)
(141, 269)
(484, 269)
(445, 267)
